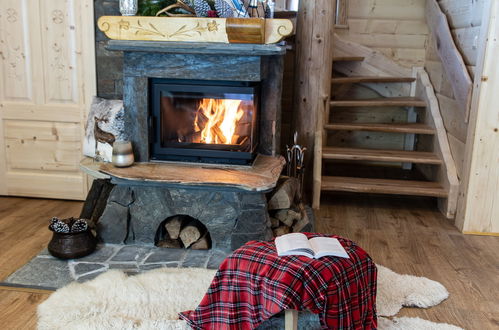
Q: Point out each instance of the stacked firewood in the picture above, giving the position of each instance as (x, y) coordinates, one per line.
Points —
(183, 232)
(287, 212)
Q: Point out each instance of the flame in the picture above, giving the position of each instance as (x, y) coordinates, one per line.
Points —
(217, 120)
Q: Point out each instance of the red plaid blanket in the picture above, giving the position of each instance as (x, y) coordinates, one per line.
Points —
(253, 283)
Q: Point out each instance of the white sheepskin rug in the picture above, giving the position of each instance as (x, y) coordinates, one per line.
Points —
(153, 299)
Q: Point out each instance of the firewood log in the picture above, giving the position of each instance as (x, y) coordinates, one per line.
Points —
(282, 230)
(284, 195)
(304, 220)
(274, 222)
(173, 226)
(204, 243)
(287, 216)
(190, 233)
(169, 243)
(216, 131)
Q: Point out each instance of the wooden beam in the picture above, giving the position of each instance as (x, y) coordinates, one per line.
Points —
(450, 56)
(313, 65)
(479, 203)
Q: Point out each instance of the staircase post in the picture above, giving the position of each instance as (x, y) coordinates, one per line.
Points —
(313, 66)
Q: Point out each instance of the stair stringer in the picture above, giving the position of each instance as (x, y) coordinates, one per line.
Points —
(445, 174)
(375, 63)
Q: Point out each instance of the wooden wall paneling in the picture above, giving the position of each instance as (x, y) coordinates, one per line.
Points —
(393, 27)
(452, 60)
(374, 63)
(467, 42)
(436, 73)
(463, 13)
(457, 150)
(453, 120)
(387, 26)
(479, 202)
(401, 9)
(446, 174)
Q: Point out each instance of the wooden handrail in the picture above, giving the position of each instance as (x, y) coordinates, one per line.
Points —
(451, 58)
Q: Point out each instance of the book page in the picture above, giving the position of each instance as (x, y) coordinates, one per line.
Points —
(327, 246)
(293, 244)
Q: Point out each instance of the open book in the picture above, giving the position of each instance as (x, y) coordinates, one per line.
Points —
(297, 244)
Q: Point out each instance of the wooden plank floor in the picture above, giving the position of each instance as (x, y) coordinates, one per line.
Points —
(407, 235)
(410, 236)
(23, 234)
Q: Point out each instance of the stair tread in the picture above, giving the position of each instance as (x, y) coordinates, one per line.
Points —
(382, 186)
(373, 79)
(382, 127)
(403, 156)
(348, 58)
(380, 102)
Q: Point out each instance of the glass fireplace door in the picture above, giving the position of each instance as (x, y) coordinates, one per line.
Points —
(203, 121)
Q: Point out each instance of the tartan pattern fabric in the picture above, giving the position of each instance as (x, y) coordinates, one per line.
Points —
(253, 284)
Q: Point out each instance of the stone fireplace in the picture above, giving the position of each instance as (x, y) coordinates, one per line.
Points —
(170, 92)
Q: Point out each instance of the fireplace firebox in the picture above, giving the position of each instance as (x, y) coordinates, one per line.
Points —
(203, 121)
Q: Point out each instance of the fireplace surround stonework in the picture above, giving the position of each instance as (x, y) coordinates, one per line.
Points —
(233, 212)
(145, 60)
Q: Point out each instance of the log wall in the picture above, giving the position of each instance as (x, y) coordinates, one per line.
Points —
(395, 27)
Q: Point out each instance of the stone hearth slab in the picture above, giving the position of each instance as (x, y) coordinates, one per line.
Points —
(260, 177)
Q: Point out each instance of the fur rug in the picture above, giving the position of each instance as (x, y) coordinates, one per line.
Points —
(152, 300)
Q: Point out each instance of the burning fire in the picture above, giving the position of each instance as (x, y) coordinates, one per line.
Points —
(217, 120)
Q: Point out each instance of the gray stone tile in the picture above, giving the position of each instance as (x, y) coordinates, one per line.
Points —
(196, 258)
(53, 273)
(164, 255)
(83, 268)
(101, 254)
(216, 258)
(154, 266)
(131, 253)
(132, 267)
(89, 277)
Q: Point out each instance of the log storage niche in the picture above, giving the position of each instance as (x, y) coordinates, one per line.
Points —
(182, 231)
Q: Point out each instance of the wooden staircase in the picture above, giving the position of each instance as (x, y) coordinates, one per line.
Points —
(431, 160)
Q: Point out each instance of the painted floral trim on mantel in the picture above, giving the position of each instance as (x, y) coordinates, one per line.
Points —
(226, 30)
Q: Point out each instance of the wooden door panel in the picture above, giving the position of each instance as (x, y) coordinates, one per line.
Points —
(46, 185)
(59, 51)
(42, 146)
(16, 82)
(47, 80)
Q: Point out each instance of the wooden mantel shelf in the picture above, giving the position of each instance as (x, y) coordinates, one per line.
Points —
(260, 177)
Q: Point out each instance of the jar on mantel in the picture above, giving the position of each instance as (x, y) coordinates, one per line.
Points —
(129, 7)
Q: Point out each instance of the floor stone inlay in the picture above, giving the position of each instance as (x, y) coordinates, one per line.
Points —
(47, 271)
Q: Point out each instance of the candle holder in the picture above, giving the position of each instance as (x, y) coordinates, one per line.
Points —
(129, 7)
(122, 153)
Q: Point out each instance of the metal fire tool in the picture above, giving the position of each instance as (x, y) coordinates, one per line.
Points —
(294, 167)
